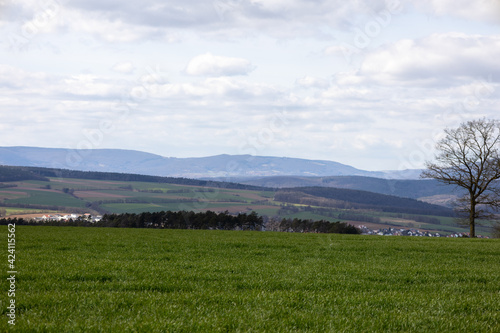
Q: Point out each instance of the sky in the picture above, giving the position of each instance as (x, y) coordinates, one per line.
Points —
(372, 84)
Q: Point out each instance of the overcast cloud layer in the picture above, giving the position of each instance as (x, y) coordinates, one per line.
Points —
(371, 84)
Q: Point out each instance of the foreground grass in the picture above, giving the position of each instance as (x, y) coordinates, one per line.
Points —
(140, 280)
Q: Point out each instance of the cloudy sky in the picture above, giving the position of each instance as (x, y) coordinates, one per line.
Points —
(371, 84)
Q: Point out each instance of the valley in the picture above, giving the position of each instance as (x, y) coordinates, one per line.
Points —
(57, 190)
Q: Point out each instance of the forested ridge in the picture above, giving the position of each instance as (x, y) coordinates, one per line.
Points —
(14, 173)
(356, 199)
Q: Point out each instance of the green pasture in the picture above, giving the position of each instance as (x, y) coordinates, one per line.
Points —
(310, 216)
(48, 198)
(268, 211)
(74, 279)
(137, 208)
(159, 190)
(103, 195)
(153, 186)
(17, 211)
(84, 184)
(13, 194)
(119, 208)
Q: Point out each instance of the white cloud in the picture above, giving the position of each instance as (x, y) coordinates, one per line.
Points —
(358, 93)
(365, 140)
(482, 10)
(439, 59)
(86, 86)
(19, 83)
(16, 78)
(222, 91)
(211, 65)
(312, 82)
(108, 29)
(123, 67)
(125, 22)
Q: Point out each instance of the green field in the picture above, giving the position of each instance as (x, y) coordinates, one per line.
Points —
(143, 280)
(39, 197)
(120, 197)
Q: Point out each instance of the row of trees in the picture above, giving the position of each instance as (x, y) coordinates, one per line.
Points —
(322, 226)
(15, 173)
(184, 220)
(163, 219)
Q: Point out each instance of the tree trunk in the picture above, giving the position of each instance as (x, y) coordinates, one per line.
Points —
(472, 222)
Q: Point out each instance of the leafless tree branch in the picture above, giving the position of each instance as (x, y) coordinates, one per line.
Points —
(469, 157)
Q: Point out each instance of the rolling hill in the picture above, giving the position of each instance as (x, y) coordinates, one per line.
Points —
(356, 199)
(407, 188)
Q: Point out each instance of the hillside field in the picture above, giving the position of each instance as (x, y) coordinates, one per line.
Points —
(73, 279)
(112, 196)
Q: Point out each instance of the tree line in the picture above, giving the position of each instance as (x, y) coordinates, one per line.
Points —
(301, 225)
(184, 220)
(15, 173)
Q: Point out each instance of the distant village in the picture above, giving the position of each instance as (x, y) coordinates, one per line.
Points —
(69, 217)
(410, 232)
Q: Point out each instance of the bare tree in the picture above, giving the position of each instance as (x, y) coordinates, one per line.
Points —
(469, 157)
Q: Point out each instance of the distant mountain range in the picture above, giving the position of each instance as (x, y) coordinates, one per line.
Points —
(220, 166)
(260, 171)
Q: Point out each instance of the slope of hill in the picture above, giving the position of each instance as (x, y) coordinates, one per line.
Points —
(407, 188)
(130, 161)
(13, 173)
(356, 199)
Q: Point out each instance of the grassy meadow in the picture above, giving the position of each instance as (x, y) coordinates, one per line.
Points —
(147, 280)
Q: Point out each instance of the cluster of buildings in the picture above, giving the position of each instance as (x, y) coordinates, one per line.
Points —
(464, 234)
(409, 232)
(67, 217)
(397, 232)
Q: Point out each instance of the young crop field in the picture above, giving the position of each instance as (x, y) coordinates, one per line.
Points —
(48, 197)
(72, 279)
